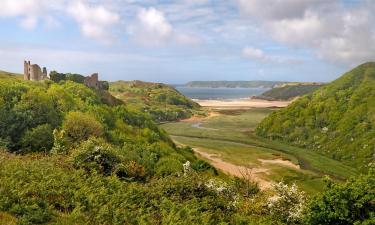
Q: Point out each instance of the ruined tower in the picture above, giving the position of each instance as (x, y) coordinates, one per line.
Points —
(34, 72)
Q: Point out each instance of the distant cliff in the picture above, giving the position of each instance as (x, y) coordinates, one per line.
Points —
(234, 84)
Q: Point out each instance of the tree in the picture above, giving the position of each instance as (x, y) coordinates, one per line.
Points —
(57, 77)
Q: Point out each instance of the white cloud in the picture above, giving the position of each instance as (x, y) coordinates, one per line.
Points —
(153, 29)
(254, 53)
(336, 33)
(259, 55)
(95, 21)
(29, 22)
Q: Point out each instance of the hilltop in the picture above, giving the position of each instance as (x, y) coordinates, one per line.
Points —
(336, 120)
(4, 74)
(162, 101)
(289, 91)
(234, 84)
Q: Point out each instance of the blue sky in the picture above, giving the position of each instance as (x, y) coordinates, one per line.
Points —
(183, 40)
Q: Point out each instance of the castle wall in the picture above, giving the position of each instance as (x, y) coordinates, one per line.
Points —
(26, 74)
(92, 81)
(35, 73)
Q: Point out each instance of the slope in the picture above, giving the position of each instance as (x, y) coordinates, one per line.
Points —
(289, 91)
(162, 101)
(336, 120)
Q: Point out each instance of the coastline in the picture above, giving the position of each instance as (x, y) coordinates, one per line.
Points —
(242, 103)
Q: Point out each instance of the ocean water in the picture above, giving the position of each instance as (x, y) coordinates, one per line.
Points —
(220, 93)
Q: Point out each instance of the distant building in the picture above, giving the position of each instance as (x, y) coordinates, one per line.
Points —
(34, 72)
(93, 82)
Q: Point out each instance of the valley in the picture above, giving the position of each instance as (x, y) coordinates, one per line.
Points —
(227, 136)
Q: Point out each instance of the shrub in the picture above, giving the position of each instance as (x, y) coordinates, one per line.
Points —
(38, 139)
(350, 203)
(168, 166)
(96, 155)
(80, 126)
(288, 205)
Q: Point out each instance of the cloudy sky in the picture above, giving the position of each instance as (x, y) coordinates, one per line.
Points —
(182, 40)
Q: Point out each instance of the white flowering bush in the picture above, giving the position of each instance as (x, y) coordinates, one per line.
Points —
(187, 168)
(288, 204)
(224, 189)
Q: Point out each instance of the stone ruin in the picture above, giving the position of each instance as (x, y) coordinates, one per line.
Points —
(93, 82)
(34, 72)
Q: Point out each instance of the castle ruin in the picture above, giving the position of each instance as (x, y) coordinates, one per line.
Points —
(93, 82)
(34, 72)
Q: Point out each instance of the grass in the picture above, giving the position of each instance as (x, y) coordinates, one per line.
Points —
(230, 134)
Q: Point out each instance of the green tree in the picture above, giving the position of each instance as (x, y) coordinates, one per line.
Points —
(57, 77)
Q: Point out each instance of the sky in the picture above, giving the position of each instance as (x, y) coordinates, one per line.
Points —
(176, 41)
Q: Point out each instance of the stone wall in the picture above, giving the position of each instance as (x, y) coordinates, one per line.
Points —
(34, 72)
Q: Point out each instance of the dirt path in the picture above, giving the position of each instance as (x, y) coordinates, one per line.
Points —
(235, 170)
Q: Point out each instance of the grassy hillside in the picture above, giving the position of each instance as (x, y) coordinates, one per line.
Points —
(289, 91)
(68, 156)
(336, 120)
(4, 75)
(234, 84)
(163, 102)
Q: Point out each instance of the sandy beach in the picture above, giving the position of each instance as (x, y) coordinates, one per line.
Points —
(242, 103)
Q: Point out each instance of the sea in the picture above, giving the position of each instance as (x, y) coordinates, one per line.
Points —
(219, 93)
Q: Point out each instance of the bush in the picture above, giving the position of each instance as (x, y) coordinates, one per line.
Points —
(96, 155)
(38, 139)
(168, 166)
(288, 205)
(350, 203)
(80, 126)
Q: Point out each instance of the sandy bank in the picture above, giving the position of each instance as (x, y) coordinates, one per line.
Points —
(242, 103)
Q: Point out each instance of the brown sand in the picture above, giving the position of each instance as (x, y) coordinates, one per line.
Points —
(281, 162)
(234, 170)
(242, 103)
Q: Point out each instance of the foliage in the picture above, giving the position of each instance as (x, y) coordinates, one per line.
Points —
(350, 203)
(289, 91)
(163, 102)
(336, 120)
(39, 138)
(80, 126)
(57, 77)
(288, 205)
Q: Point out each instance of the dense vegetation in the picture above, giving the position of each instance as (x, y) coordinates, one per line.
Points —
(69, 156)
(336, 120)
(289, 91)
(163, 102)
(75, 77)
(234, 84)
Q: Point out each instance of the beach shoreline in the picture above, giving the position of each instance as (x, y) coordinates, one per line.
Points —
(242, 103)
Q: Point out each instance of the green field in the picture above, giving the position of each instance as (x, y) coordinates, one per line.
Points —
(230, 134)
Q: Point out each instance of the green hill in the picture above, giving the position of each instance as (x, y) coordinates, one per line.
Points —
(289, 91)
(234, 84)
(162, 101)
(4, 75)
(336, 120)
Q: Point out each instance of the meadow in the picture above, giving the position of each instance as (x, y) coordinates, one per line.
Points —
(229, 134)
